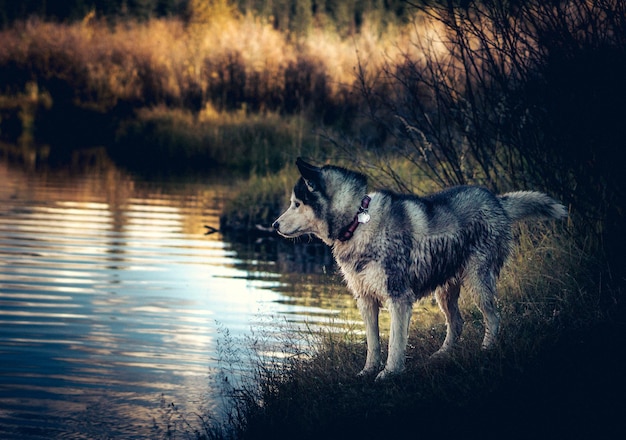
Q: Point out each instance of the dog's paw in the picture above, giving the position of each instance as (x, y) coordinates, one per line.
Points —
(387, 374)
(366, 372)
(383, 375)
(440, 354)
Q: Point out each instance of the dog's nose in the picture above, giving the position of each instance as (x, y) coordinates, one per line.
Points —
(276, 225)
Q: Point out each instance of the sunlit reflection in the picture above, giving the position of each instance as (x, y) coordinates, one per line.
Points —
(31, 314)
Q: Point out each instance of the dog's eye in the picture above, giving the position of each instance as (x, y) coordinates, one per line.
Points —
(297, 204)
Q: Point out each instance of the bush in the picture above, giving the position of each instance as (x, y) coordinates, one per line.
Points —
(513, 95)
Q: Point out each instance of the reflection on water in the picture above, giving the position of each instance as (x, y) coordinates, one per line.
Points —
(111, 297)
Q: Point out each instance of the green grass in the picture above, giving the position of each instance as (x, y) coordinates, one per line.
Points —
(258, 201)
(239, 142)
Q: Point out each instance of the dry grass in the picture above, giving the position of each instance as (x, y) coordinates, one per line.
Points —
(230, 62)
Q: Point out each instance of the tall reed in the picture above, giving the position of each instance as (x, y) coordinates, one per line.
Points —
(231, 63)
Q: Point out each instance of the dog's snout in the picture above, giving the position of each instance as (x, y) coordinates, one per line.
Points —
(276, 225)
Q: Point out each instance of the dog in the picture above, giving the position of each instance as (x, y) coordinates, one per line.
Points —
(394, 249)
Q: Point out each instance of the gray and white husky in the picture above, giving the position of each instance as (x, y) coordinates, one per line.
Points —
(396, 248)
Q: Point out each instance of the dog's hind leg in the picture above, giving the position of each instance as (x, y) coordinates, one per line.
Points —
(369, 309)
(448, 299)
(400, 311)
(483, 283)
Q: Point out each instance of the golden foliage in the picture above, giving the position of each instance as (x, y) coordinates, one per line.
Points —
(202, 12)
(216, 56)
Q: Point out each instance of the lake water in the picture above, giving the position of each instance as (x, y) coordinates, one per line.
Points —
(113, 302)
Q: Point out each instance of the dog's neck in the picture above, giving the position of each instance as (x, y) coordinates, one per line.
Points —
(362, 216)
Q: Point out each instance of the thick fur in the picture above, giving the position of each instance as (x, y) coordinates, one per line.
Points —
(412, 246)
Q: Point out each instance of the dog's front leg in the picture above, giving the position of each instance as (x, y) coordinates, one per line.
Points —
(369, 309)
(400, 311)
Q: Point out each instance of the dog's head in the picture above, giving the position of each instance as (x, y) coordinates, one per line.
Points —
(324, 200)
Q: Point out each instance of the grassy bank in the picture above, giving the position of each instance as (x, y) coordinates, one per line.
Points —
(162, 138)
(258, 201)
(553, 372)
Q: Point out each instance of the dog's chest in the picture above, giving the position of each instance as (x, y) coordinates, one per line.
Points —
(362, 269)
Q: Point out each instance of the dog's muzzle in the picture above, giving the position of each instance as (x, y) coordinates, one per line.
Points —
(276, 226)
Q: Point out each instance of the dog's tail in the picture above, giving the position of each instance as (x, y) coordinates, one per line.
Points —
(524, 204)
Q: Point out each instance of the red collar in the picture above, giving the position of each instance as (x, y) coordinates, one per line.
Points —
(361, 217)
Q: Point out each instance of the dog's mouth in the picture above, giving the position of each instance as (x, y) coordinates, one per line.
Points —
(292, 234)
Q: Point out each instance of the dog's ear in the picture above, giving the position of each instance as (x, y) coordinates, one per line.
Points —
(310, 173)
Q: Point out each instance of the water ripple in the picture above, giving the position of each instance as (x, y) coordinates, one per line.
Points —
(111, 300)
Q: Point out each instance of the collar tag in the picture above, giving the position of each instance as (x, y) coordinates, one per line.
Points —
(363, 217)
